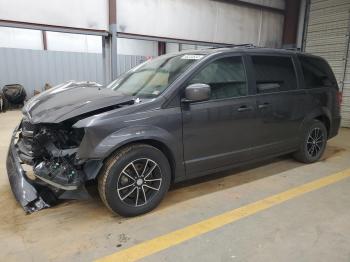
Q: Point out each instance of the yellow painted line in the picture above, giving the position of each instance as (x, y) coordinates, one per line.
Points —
(176, 237)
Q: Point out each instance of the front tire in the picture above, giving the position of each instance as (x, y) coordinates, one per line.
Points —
(134, 180)
(313, 143)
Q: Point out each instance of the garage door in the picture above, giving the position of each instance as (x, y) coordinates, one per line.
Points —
(327, 35)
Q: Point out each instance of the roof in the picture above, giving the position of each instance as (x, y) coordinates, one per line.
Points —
(245, 49)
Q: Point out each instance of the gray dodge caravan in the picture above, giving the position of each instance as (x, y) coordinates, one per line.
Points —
(172, 118)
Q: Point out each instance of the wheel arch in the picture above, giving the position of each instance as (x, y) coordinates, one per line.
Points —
(321, 114)
(152, 142)
(326, 121)
(96, 146)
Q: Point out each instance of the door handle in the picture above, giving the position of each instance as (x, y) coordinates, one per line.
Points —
(244, 108)
(264, 105)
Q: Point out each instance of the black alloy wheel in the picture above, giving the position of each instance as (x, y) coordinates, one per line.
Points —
(134, 179)
(139, 181)
(313, 142)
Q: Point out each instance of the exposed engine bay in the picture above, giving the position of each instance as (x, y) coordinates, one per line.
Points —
(51, 149)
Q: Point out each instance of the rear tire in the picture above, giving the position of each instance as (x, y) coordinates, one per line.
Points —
(313, 142)
(134, 180)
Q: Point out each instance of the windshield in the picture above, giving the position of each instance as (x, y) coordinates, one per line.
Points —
(151, 78)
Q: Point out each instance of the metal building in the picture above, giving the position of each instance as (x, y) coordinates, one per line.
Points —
(34, 68)
(166, 26)
(327, 35)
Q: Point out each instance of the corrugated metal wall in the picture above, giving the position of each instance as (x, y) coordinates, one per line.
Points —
(34, 68)
(126, 62)
(328, 36)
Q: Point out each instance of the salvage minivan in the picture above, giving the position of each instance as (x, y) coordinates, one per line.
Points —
(172, 118)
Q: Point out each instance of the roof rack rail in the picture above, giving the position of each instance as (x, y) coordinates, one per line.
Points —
(293, 48)
(239, 45)
(232, 45)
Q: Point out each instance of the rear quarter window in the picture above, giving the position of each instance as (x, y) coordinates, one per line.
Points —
(317, 73)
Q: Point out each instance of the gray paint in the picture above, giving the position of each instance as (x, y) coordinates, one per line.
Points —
(197, 92)
(73, 99)
(34, 68)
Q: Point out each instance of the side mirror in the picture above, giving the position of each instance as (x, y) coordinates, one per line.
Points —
(197, 92)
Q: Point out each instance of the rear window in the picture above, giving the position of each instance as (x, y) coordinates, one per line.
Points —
(274, 74)
(317, 72)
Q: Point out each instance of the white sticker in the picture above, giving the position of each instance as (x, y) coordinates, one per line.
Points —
(192, 57)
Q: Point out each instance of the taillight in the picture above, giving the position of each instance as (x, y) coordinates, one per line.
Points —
(339, 98)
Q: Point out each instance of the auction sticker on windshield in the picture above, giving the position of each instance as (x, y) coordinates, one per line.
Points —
(192, 57)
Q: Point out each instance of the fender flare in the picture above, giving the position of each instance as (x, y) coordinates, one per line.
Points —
(319, 112)
(119, 138)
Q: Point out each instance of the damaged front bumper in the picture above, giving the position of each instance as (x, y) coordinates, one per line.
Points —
(51, 178)
(23, 189)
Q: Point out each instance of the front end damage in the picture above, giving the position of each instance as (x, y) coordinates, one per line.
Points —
(55, 171)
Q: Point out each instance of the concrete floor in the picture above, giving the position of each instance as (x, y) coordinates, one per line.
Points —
(312, 227)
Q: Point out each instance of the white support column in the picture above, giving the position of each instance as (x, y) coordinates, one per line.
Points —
(113, 47)
(106, 58)
(109, 46)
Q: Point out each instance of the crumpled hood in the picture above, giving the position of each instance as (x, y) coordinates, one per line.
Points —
(69, 100)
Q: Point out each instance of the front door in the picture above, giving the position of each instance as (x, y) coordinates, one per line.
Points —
(218, 132)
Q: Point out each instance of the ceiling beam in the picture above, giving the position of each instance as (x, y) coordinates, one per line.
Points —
(52, 28)
(253, 5)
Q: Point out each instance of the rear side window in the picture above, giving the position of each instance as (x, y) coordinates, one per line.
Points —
(317, 72)
(274, 74)
(226, 77)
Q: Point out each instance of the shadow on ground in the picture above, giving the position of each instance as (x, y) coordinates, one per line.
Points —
(72, 210)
